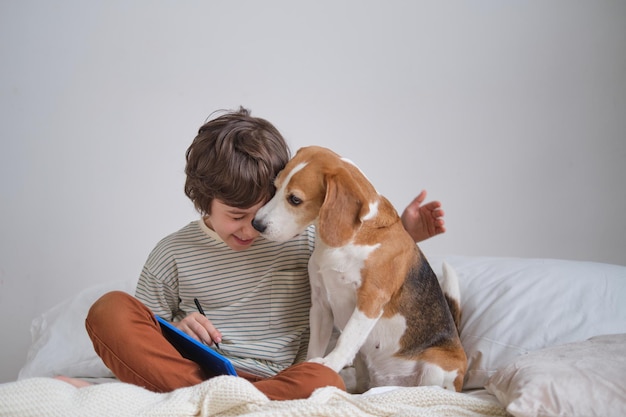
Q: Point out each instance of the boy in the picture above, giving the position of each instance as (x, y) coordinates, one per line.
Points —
(254, 291)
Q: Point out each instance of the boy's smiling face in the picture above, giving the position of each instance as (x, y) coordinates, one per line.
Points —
(232, 224)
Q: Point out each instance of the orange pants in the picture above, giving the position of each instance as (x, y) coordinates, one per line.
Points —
(128, 338)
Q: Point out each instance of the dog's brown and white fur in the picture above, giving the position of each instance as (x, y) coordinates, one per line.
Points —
(368, 277)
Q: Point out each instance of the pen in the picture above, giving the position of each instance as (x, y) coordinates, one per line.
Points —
(201, 311)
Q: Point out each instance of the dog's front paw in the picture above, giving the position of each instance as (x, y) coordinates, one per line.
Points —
(327, 361)
(317, 360)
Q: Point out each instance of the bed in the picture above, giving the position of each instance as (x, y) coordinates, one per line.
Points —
(544, 337)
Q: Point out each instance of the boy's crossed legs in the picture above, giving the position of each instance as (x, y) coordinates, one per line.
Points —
(124, 333)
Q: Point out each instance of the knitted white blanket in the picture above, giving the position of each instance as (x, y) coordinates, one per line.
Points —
(227, 396)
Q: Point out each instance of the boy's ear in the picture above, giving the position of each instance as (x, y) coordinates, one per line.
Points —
(340, 214)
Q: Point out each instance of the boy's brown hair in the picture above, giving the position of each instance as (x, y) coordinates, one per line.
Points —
(235, 159)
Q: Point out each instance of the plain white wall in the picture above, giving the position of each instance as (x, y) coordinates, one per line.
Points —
(513, 114)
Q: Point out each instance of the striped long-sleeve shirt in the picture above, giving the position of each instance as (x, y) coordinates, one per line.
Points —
(258, 298)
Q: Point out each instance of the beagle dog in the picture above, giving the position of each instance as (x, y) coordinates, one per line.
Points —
(368, 278)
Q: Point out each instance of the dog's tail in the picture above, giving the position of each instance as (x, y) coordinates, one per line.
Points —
(452, 292)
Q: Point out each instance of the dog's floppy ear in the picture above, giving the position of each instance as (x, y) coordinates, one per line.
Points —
(341, 212)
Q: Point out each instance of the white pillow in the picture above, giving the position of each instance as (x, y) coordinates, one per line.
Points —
(577, 379)
(60, 344)
(512, 306)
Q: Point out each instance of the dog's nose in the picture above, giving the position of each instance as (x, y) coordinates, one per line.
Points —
(258, 225)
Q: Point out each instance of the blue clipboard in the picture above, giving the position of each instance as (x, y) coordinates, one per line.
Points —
(196, 351)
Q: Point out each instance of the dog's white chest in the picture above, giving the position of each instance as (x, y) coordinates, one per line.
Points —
(346, 260)
(342, 265)
(338, 270)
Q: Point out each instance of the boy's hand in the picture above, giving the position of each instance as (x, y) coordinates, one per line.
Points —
(423, 221)
(200, 328)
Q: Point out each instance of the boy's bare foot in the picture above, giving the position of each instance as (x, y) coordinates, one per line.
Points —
(78, 383)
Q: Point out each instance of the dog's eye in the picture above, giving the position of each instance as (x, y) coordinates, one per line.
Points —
(293, 200)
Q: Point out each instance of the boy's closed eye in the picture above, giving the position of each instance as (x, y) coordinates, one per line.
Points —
(237, 216)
